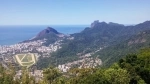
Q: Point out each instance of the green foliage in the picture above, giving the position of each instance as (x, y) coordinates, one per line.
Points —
(26, 79)
(98, 76)
(6, 75)
(138, 66)
(132, 69)
(51, 74)
(117, 76)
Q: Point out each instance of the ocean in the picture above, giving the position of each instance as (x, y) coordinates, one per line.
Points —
(10, 35)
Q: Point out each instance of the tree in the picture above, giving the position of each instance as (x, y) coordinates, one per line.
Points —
(51, 74)
(117, 76)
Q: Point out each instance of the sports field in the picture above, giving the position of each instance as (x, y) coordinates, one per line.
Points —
(27, 59)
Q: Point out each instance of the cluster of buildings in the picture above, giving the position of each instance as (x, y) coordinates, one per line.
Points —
(51, 48)
(31, 46)
(21, 47)
(85, 61)
(7, 53)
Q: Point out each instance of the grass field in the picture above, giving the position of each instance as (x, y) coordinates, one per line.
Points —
(20, 56)
(27, 59)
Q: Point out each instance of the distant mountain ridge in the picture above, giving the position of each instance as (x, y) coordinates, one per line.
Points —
(101, 35)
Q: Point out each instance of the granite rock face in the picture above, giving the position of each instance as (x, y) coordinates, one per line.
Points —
(97, 24)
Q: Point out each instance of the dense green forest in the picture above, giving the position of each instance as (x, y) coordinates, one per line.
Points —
(132, 69)
(116, 40)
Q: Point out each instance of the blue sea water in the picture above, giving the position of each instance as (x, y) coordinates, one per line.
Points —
(10, 35)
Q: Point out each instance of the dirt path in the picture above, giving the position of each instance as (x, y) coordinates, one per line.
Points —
(18, 60)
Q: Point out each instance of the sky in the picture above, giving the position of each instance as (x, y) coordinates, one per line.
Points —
(73, 12)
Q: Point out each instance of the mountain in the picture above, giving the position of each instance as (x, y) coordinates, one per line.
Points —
(50, 34)
(113, 53)
(108, 41)
(46, 31)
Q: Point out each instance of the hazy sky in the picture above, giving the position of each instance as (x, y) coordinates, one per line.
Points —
(67, 12)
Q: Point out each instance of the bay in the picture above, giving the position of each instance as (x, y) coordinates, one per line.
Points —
(10, 35)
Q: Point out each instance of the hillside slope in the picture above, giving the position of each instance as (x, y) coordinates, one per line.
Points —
(108, 41)
(113, 53)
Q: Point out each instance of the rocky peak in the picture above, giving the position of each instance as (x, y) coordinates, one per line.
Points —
(50, 29)
(47, 31)
(96, 23)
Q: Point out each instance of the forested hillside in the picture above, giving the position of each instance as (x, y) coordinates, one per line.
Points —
(108, 41)
(132, 69)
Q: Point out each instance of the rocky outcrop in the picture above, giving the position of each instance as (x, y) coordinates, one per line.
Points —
(94, 23)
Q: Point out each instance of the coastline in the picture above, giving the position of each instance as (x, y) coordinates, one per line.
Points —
(10, 35)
